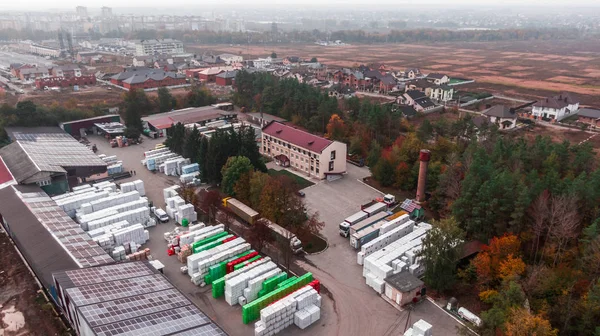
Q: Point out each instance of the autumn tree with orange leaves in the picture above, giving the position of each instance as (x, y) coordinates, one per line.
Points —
(336, 128)
(498, 261)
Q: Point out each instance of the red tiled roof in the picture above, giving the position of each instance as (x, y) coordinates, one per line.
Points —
(297, 137)
(161, 123)
(5, 174)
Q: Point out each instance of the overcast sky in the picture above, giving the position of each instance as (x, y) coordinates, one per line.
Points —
(40, 5)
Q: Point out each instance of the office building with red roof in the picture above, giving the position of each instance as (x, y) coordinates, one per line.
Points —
(310, 154)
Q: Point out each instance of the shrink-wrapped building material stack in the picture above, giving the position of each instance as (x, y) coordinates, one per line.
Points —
(108, 202)
(185, 211)
(234, 287)
(218, 286)
(188, 178)
(384, 240)
(222, 253)
(169, 192)
(115, 168)
(71, 204)
(84, 219)
(134, 185)
(195, 259)
(134, 233)
(190, 168)
(140, 215)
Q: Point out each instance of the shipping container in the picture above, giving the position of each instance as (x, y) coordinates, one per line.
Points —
(243, 211)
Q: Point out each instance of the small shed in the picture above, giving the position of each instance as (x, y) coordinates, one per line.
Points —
(403, 287)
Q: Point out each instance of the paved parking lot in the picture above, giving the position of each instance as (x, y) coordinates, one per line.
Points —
(352, 308)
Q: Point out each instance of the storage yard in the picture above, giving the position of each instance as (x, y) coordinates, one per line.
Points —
(344, 284)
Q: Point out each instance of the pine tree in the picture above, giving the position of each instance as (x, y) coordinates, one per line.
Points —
(165, 100)
(203, 158)
(192, 145)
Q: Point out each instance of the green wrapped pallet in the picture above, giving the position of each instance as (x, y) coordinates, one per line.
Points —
(285, 282)
(219, 270)
(212, 244)
(251, 311)
(271, 283)
(209, 239)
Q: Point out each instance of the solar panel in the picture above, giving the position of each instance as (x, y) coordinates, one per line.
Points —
(51, 152)
(76, 241)
(112, 290)
(131, 307)
(163, 323)
(108, 273)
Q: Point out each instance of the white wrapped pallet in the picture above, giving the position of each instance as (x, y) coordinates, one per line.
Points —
(82, 187)
(156, 151)
(234, 286)
(394, 223)
(195, 259)
(169, 192)
(255, 285)
(187, 178)
(380, 267)
(71, 204)
(113, 200)
(386, 239)
(74, 193)
(107, 229)
(141, 215)
(224, 254)
(285, 312)
(139, 186)
(196, 227)
(171, 167)
(203, 233)
(134, 233)
(84, 219)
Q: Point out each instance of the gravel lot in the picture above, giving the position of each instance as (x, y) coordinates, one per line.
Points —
(350, 307)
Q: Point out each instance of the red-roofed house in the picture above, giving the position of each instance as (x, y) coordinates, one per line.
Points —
(312, 155)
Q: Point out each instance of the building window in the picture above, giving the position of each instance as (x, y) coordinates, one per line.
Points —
(330, 165)
(317, 170)
(332, 155)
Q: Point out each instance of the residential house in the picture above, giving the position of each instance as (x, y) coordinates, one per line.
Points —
(341, 91)
(418, 100)
(67, 71)
(412, 73)
(210, 75)
(403, 288)
(143, 61)
(407, 111)
(92, 57)
(555, 108)
(146, 78)
(212, 59)
(589, 116)
(15, 68)
(41, 83)
(372, 79)
(503, 116)
(440, 93)
(230, 59)
(438, 78)
(387, 84)
(291, 60)
(33, 73)
(226, 78)
(305, 152)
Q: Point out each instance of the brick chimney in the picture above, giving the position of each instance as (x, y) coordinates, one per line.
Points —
(424, 157)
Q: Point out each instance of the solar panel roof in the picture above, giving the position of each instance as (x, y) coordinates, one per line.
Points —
(52, 151)
(77, 242)
(133, 298)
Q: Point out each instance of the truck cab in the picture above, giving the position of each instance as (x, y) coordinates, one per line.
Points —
(389, 199)
(344, 229)
(296, 245)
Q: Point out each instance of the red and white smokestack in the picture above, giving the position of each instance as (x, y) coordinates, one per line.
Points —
(424, 157)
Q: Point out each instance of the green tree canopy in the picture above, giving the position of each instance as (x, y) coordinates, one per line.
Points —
(235, 167)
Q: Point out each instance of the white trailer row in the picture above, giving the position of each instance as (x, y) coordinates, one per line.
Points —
(234, 286)
(398, 256)
(302, 307)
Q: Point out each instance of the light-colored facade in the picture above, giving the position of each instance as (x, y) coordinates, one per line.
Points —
(231, 58)
(503, 123)
(153, 47)
(555, 108)
(440, 93)
(317, 163)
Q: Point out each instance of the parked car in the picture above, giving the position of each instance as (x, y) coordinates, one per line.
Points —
(301, 193)
(161, 215)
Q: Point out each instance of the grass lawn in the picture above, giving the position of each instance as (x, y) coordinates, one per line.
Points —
(302, 183)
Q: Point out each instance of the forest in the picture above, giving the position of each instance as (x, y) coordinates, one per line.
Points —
(534, 205)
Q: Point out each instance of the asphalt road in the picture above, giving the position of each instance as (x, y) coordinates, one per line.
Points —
(350, 307)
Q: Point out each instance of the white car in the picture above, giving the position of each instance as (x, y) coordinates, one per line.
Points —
(161, 215)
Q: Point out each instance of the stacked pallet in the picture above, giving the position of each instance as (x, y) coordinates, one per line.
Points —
(256, 285)
(190, 168)
(384, 240)
(222, 252)
(218, 285)
(153, 162)
(378, 265)
(109, 159)
(134, 185)
(105, 185)
(188, 178)
(84, 219)
(134, 233)
(186, 211)
(139, 255)
(195, 259)
(108, 202)
(169, 192)
(115, 168)
(71, 204)
(140, 215)
(234, 287)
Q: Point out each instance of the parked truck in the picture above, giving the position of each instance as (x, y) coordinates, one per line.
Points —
(345, 225)
(375, 208)
(246, 213)
(250, 216)
(365, 223)
(364, 236)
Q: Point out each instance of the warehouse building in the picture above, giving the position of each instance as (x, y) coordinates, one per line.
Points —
(198, 115)
(311, 154)
(128, 299)
(48, 239)
(49, 158)
(80, 127)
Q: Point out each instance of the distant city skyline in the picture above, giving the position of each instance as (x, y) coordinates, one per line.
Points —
(39, 5)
